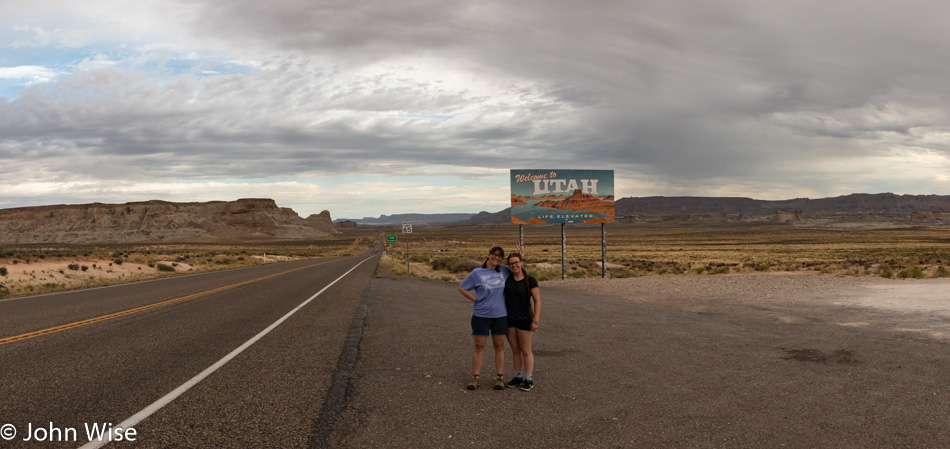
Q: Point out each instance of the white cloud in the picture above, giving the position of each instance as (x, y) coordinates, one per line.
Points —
(30, 73)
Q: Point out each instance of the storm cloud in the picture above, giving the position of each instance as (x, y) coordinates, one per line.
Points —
(738, 98)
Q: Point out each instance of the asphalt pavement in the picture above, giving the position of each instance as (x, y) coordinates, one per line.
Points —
(382, 361)
(270, 395)
(614, 372)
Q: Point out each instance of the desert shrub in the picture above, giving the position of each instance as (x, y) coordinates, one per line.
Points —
(720, 270)
(663, 271)
(914, 273)
(73, 266)
(453, 265)
(241, 258)
(419, 258)
(762, 267)
(174, 264)
(3, 271)
(151, 264)
(699, 270)
(163, 267)
(942, 272)
(84, 268)
(224, 261)
(117, 261)
(577, 274)
(15, 261)
(886, 272)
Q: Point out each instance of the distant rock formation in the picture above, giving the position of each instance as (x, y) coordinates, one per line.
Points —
(160, 221)
(858, 203)
(416, 219)
(785, 216)
(882, 209)
(345, 224)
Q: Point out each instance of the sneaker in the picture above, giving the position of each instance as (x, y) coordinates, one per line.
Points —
(473, 385)
(527, 385)
(515, 382)
(500, 382)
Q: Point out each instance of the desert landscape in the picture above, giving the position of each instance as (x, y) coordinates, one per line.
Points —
(37, 269)
(54, 248)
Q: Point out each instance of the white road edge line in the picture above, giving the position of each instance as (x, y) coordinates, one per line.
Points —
(165, 400)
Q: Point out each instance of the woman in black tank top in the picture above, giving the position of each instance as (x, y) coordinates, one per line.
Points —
(523, 301)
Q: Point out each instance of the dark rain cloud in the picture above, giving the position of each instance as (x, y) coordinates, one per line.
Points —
(687, 96)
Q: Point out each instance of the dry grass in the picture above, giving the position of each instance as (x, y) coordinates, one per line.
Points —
(34, 269)
(637, 250)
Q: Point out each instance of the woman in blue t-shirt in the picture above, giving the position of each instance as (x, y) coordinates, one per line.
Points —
(489, 316)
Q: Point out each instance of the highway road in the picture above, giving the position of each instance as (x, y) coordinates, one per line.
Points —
(242, 359)
(239, 358)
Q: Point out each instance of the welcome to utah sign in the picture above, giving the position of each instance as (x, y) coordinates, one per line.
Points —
(541, 196)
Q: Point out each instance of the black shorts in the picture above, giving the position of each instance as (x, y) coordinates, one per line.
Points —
(524, 325)
(494, 326)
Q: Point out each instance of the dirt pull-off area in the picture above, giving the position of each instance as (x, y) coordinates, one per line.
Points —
(910, 305)
(796, 360)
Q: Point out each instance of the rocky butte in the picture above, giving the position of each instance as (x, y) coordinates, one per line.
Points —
(160, 221)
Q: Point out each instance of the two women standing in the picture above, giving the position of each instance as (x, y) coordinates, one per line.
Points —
(493, 284)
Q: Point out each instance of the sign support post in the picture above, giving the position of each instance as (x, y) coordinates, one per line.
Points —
(521, 235)
(563, 252)
(603, 250)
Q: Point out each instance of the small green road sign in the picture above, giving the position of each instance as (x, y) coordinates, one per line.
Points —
(390, 239)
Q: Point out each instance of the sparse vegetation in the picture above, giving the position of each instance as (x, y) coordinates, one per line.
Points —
(127, 263)
(886, 272)
(915, 273)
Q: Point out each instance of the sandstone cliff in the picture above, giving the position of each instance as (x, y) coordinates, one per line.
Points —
(858, 203)
(159, 221)
(881, 209)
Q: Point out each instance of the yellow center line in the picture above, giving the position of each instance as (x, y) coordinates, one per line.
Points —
(110, 316)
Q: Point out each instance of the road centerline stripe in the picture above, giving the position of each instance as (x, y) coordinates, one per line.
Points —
(122, 313)
(171, 396)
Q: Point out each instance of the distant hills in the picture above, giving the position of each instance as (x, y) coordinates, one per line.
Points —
(249, 219)
(160, 221)
(859, 209)
(397, 219)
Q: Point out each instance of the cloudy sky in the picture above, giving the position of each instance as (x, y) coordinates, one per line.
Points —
(380, 107)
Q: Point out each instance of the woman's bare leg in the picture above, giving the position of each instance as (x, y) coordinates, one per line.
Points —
(524, 343)
(479, 353)
(516, 359)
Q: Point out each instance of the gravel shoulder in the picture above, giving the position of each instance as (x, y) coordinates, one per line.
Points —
(758, 360)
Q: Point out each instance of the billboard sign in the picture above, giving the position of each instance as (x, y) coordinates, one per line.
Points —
(540, 196)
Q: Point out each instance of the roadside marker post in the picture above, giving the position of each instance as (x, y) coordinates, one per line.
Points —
(407, 229)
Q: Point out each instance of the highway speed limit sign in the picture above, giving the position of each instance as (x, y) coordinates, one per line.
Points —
(407, 227)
